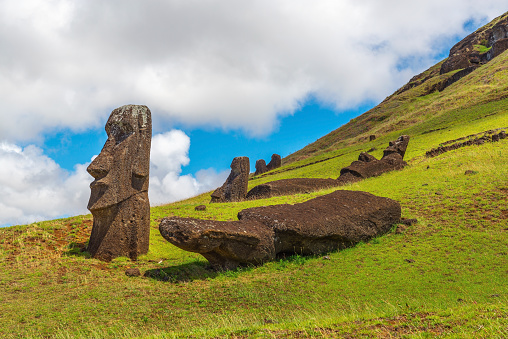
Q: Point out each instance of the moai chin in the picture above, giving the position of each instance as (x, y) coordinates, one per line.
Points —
(119, 194)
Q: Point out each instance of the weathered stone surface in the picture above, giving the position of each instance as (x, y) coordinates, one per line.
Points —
(235, 187)
(260, 167)
(398, 146)
(372, 137)
(290, 186)
(275, 162)
(119, 194)
(368, 166)
(470, 140)
(326, 223)
(465, 53)
(225, 244)
(200, 208)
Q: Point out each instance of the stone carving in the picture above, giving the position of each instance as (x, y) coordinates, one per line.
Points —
(470, 140)
(290, 186)
(119, 194)
(260, 167)
(236, 185)
(368, 166)
(333, 221)
(275, 162)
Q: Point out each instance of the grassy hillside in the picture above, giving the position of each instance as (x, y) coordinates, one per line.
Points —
(445, 276)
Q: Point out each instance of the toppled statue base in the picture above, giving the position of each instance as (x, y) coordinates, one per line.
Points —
(330, 222)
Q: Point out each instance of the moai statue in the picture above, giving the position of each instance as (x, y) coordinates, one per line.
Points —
(119, 194)
(260, 167)
(275, 162)
(235, 187)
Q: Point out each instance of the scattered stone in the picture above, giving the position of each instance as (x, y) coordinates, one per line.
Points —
(408, 222)
(260, 167)
(200, 208)
(333, 221)
(425, 184)
(372, 137)
(410, 261)
(372, 149)
(470, 172)
(470, 140)
(326, 257)
(119, 194)
(132, 272)
(235, 187)
(494, 295)
(275, 162)
(439, 193)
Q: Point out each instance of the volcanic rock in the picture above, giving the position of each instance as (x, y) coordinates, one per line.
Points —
(290, 186)
(200, 208)
(260, 167)
(466, 53)
(235, 187)
(368, 166)
(275, 162)
(119, 194)
(333, 221)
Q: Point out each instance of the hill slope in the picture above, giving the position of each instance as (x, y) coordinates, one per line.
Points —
(445, 276)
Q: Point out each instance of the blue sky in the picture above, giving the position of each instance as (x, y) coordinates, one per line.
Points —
(222, 78)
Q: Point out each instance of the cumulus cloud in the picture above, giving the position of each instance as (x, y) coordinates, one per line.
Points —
(33, 187)
(225, 63)
(169, 153)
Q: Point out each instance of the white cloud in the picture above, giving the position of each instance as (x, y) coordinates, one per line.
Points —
(33, 187)
(229, 63)
(169, 153)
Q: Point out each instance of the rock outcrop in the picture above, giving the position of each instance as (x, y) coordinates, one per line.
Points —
(479, 47)
(333, 221)
(119, 194)
(236, 185)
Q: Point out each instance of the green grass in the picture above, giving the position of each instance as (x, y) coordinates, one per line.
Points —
(445, 276)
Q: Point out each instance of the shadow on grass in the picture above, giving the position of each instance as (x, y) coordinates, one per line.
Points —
(203, 270)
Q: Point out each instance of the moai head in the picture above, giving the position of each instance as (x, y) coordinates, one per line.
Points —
(121, 169)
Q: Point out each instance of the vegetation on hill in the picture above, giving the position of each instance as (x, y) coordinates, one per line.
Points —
(445, 276)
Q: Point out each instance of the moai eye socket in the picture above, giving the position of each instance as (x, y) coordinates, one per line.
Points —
(120, 131)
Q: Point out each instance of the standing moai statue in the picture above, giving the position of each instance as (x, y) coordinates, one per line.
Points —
(119, 194)
(275, 162)
(260, 167)
(236, 185)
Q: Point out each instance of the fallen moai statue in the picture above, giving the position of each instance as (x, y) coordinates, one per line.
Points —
(365, 167)
(368, 166)
(119, 194)
(236, 185)
(333, 221)
(290, 186)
